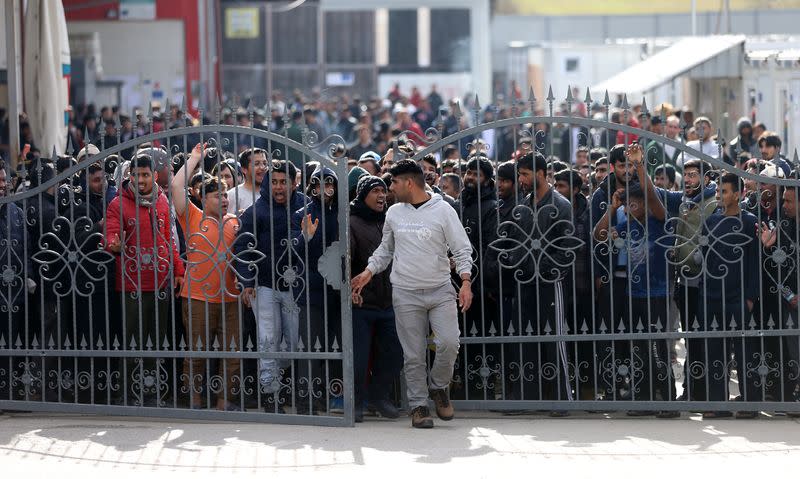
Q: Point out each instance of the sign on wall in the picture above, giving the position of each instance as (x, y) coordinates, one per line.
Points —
(241, 23)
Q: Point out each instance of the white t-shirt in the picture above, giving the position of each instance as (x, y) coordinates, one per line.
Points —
(709, 148)
(242, 198)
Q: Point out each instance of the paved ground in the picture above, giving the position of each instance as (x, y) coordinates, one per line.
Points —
(474, 445)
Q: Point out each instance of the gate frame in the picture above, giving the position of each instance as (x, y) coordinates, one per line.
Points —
(334, 146)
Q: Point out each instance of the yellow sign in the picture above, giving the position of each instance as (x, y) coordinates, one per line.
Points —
(241, 23)
(631, 7)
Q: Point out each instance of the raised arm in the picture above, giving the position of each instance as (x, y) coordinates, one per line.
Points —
(654, 204)
(181, 179)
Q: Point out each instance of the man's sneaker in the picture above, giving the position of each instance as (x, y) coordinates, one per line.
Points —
(385, 408)
(444, 409)
(668, 414)
(421, 418)
(746, 414)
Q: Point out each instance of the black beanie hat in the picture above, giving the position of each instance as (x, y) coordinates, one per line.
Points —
(479, 161)
(367, 184)
(507, 171)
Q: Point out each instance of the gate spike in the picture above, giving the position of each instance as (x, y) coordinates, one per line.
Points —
(584, 328)
(511, 329)
(215, 344)
(789, 320)
(249, 344)
(83, 342)
(115, 344)
(148, 344)
(35, 343)
(695, 325)
(644, 106)
(165, 344)
(625, 105)
(2, 341)
(569, 98)
(770, 323)
(70, 148)
(335, 345)
(473, 331)
(606, 101)
(795, 158)
(603, 329)
(531, 97)
(550, 97)
(183, 106)
(317, 345)
(86, 138)
(639, 326)
(167, 110)
(199, 344)
(588, 98)
(621, 327)
(67, 342)
(547, 329)
(566, 328)
(477, 103)
(529, 329)
(100, 343)
(714, 325)
(752, 323)
(54, 156)
(732, 324)
(18, 342)
(658, 325)
(182, 344)
(232, 345)
(300, 344)
(283, 346)
(492, 330)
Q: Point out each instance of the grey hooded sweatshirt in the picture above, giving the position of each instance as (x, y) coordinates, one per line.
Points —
(417, 241)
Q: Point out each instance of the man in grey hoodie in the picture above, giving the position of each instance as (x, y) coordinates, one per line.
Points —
(417, 235)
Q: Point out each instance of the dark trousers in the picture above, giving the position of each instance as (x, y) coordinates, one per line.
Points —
(746, 354)
(651, 377)
(147, 325)
(613, 366)
(688, 301)
(320, 324)
(374, 331)
(791, 355)
(544, 366)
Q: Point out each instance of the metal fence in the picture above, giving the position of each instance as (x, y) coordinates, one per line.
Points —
(674, 301)
(94, 317)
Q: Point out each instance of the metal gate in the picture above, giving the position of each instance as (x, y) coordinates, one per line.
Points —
(646, 318)
(94, 320)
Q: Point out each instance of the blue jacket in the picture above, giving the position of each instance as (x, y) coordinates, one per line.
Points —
(309, 252)
(261, 247)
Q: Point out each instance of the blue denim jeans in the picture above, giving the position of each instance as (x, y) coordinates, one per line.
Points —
(277, 322)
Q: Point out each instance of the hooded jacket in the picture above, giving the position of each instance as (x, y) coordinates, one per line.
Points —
(310, 251)
(149, 258)
(687, 216)
(416, 242)
(15, 264)
(366, 233)
(263, 239)
(743, 142)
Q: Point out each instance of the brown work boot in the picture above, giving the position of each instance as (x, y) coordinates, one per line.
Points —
(421, 418)
(444, 409)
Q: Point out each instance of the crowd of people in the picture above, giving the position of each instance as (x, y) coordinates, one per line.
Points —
(534, 230)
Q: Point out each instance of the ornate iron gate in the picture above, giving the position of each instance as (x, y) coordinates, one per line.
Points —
(561, 322)
(75, 337)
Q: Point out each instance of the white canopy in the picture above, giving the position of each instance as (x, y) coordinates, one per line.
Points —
(47, 69)
(704, 57)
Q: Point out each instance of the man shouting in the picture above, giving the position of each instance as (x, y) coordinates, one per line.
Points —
(419, 230)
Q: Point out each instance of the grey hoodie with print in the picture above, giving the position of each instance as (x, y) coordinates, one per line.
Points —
(416, 242)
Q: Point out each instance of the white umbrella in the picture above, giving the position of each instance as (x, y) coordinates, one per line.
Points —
(46, 73)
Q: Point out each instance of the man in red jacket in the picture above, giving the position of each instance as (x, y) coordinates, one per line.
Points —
(148, 266)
